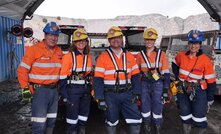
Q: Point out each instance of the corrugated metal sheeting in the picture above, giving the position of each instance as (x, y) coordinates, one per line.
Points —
(10, 52)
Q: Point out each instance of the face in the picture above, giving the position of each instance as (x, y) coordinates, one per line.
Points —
(116, 42)
(194, 47)
(81, 44)
(51, 40)
(150, 43)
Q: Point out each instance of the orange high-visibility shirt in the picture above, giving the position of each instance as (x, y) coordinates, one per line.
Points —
(40, 65)
(163, 63)
(68, 63)
(193, 68)
(105, 68)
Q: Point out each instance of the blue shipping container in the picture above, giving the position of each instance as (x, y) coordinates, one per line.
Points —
(11, 53)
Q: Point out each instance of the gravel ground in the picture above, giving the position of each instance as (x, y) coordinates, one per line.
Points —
(15, 116)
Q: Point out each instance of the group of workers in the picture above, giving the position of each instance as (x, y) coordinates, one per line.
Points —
(119, 81)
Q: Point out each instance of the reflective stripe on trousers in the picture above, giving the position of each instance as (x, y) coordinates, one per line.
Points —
(151, 104)
(121, 102)
(79, 106)
(44, 109)
(193, 112)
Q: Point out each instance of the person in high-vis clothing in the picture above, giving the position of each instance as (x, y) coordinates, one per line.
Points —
(75, 82)
(155, 78)
(38, 74)
(117, 84)
(196, 75)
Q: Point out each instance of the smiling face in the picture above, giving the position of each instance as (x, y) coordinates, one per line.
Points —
(150, 43)
(116, 42)
(81, 44)
(51, 40)
(194, 47)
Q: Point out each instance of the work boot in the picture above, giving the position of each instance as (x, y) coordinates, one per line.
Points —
(201, 131)
(71, 132)
(147, 128)
(157, 129)
(134, 129)
(111, 130)
(49, 131)
(187, 128)
(81, 130)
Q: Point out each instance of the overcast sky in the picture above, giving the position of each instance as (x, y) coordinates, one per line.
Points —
(105, 9)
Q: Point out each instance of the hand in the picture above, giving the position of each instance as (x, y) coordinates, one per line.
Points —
(26, 95)
(209, 104)
(64, 94)
(165, 96)
(102, 105)
(135, 98)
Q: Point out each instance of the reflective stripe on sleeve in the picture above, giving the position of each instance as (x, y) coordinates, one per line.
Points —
(135, 67)
(25, 65)
(63, 76)
(210, 76)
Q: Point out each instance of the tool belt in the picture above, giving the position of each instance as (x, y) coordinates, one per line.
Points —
(190, 86)
(119, 90)
(51, 86)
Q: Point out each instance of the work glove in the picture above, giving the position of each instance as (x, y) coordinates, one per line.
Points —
(135, 98)
(209, 104)
(165, 96)
(102, 105)
(26, 95)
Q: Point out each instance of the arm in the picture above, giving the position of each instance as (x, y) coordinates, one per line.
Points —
(64, 73)
(165, 71)
(135, 76)
(175, 66)
(209, 75)
(25, 67)
(98, 82)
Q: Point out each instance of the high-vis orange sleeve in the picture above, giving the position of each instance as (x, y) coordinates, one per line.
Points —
(25, 67)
